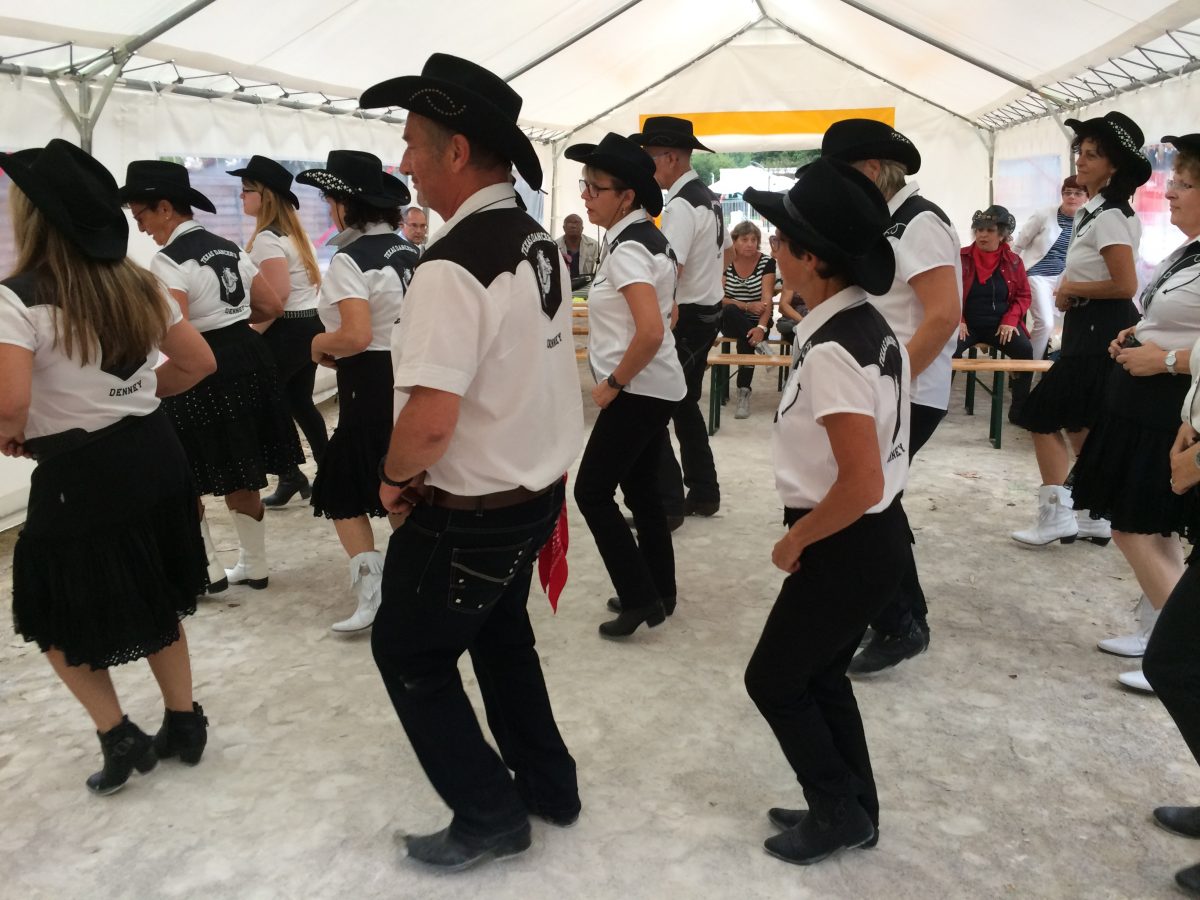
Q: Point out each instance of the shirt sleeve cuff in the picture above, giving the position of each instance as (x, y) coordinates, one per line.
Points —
(439, 378)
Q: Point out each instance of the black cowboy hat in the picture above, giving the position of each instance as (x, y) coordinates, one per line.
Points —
(994, 216)
(360, 175)
(1187, 142)
(836, 213)
(623, 159)
(1125, 134)
(75, 193)
(851, 140)
(155, 179)
(668, 131)
(469, 99)
(269, 174)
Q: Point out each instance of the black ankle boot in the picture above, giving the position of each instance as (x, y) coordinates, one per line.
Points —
(125, 747)
(627, 622)
(614, 604)
(289, 485)
(183, 734)
(836, 824)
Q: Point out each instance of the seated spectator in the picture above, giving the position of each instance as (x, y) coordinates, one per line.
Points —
(996, 296)
(792, 310)
(749, 283)
(580, 251)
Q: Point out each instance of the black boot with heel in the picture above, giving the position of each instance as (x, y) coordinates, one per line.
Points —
(294, 482)
(183, 734)
(628, 621)
(125, 747)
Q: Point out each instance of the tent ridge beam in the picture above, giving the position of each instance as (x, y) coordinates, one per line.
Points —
(571, 41)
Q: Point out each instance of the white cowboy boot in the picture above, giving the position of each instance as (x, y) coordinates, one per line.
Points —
(1056, 519)
(251, 568)
(366, 579)
(1098, 531)
(1134, 645)
(217, 581)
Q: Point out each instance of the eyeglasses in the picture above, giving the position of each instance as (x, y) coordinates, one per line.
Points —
(592, 189)
(1073, 193)
(776, 242)
(1173, 184)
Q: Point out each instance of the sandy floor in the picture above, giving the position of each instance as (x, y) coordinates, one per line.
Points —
(1009, 761)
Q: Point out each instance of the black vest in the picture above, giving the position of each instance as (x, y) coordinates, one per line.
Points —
(646, 234)
(383, 251)
(696, 194)
(213, 252)
(909, 210)
(490, 243)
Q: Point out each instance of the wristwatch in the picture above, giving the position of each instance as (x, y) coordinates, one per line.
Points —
(614, 384)
(1170, 361)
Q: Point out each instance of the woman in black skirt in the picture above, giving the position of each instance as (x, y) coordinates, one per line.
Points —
(233, 425)
(359, 305)
(285, 258)
(841, 461)
(1097, 285)
(1123, 473)
(110, 556)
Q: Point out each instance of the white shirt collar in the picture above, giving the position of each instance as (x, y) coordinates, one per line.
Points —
(182, 228)
(632, 218)
(494, 196)
(348, 236)
(901, 195)
(1093, 203)
(689, 175)
(825, 311)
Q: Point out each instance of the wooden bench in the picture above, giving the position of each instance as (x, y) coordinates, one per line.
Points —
(999, 367)
(718, 385)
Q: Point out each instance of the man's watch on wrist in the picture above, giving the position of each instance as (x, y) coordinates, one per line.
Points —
(1170, 361)
(614, 384)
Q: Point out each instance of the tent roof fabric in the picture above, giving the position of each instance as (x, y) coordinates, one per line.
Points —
(987, 68)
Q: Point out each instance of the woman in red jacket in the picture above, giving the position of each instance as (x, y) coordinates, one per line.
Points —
(996, 296)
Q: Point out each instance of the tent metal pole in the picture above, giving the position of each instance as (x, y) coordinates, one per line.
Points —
(553, 187)
(648, 88)
(572, 40)
(120, 55)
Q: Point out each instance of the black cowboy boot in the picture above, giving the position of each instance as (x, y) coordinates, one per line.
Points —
(125, 747)
(294, 482)
(183, 734)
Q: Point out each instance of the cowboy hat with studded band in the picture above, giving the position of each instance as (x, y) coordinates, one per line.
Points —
(851, 140)
(1125, 134)
(358, 175)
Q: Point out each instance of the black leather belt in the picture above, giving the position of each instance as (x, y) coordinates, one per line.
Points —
(299, 313)
(483, 502)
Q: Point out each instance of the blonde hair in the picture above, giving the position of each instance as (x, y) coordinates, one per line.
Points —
(275, 212)
(116, 308)
(890, 178)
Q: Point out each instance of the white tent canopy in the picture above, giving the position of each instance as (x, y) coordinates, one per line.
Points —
(972, 88)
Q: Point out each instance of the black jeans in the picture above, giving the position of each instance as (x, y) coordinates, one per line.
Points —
(290, 342)
(797, 675)
(694, 334)
(459, 581)
(1018, 347)
(909, 600)
(1171, 663)
(736, 324)
(624, 449)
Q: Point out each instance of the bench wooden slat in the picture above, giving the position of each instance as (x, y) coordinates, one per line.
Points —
(1000, 365)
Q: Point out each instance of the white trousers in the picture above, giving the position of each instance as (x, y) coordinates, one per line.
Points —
(1045, 317)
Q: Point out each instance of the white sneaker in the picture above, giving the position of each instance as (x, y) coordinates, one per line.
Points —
(366, 577)
(1056, 519)
(1135, 680)
(743, 404)
(1098, 531)
(1134, 645)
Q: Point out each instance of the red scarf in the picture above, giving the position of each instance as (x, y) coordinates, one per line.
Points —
(985, 262)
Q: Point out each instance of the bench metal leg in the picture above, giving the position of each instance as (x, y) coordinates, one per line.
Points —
(970, 404)
(995, 431)
(718, 381)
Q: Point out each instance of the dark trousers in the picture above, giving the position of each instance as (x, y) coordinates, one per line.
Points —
(1171, 663)
(909, 600)
(736, 324)
(290, 342)
(694, 335)
(624, 449)
(459, 581)
(1018, 347)
(797, 675)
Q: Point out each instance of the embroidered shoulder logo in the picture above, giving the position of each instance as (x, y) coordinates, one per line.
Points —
(229, 281)
(540, 251)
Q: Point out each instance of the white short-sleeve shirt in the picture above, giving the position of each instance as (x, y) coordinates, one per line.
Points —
(488, 317)
(67, 395)
(213, 272)
(1171, 301)
(848, 361)
(269, 245)
(695, 229)
(376, 266)
(920, 243)
(636, 252)
(1096, 228)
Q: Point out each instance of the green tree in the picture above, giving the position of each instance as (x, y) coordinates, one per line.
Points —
(709, 165)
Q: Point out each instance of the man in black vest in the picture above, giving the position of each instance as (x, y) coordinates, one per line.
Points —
(923, 307)
(694, 226)
(490, 417)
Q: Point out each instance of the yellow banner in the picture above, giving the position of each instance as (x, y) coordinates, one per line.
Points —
(777, 121)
